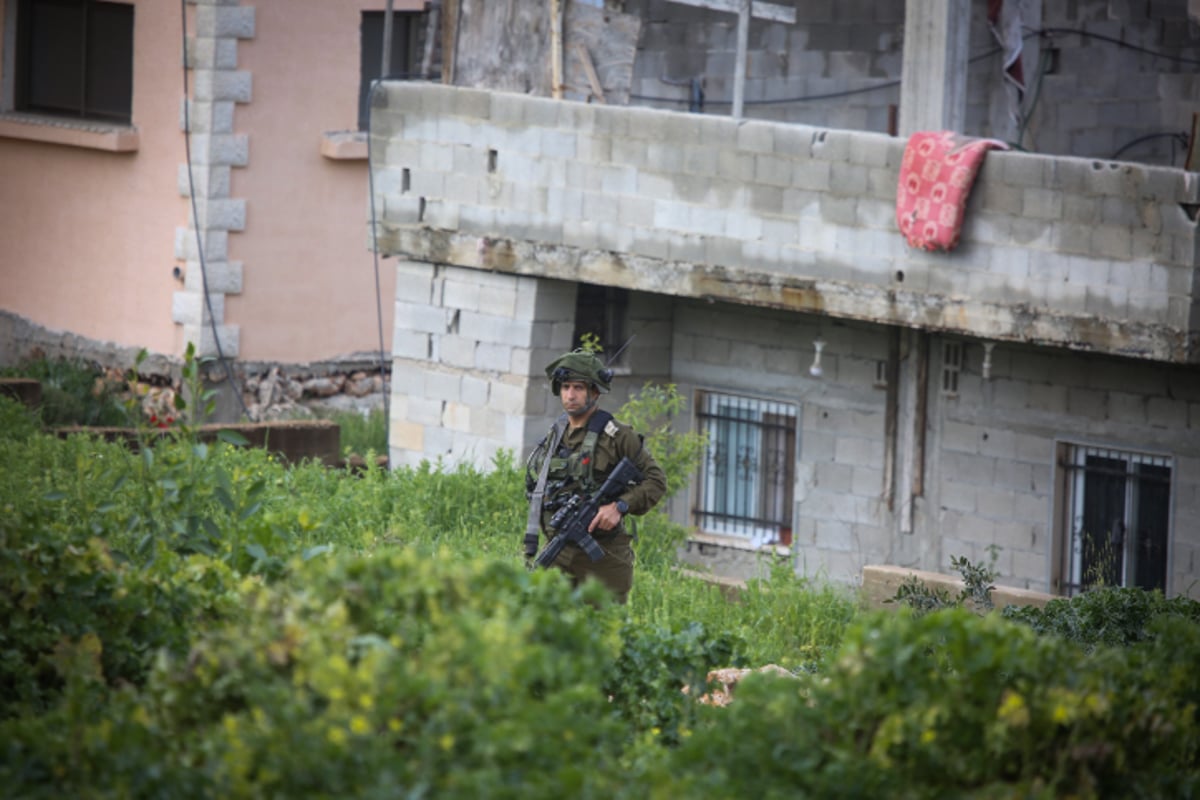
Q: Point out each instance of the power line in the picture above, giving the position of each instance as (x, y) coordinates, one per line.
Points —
(187, 145)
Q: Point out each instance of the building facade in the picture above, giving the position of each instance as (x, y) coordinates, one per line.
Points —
(1031, 392)
(191, 171)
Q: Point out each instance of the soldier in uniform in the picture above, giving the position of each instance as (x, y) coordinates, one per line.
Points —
(582, 447)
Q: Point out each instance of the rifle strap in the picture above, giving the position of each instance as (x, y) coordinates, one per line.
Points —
(533, 525)
(599, 423)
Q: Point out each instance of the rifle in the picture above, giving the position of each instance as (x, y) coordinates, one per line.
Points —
(570, 523)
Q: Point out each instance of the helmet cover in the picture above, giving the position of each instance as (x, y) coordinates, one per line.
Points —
(579, 365)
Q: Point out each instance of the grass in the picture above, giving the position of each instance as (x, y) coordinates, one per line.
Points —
(361, 433)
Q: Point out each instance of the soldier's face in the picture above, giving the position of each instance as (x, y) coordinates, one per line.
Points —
(574, 396)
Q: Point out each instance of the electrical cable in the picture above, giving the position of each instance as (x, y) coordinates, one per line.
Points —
(1113, 40)
(1042, 32)
(1177, 136)
(187, 144)
(383, 375)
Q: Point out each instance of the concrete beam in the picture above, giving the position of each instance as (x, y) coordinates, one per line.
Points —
(970, 316)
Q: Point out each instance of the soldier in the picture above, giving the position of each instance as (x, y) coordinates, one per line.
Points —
(584, 446)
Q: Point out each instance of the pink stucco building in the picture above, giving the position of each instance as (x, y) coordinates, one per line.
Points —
(99, 238)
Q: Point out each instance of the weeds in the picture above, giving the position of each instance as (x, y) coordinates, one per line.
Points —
(978, 584)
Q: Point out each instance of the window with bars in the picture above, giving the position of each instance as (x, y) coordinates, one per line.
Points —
(747, 476)
(74, 58)
(1116, 518)
(952, 364)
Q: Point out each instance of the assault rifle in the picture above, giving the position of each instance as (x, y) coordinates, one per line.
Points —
(570, 523)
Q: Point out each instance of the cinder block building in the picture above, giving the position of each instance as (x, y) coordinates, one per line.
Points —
(1030, 394)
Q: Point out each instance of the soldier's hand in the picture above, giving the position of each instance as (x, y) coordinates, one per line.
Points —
(607, 517)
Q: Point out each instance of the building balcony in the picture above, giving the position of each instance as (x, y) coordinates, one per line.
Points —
(1098, 256)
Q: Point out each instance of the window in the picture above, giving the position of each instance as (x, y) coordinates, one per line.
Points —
(952, 363)
(402, 62)
(74, 58)
(601, 311)
(1115, 518)
(747, 476)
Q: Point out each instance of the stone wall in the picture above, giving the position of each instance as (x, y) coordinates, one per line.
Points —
(268, 391)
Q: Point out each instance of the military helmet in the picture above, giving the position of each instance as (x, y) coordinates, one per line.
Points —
(579, 365)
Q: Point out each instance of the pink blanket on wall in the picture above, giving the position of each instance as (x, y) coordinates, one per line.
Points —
(936, 176)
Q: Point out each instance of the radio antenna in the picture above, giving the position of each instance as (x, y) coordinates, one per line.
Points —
(620, 350)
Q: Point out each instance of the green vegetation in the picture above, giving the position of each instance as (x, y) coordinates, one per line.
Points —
(202, 621)
(75, 391)
(361, 433)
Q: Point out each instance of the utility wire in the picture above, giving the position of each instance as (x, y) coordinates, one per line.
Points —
(187, 145)
(383, 375)
(1045, 33)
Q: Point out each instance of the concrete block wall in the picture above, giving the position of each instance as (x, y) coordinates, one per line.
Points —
(1104, 96)
(1088, 254)
(992, 471)
(841, 520)
(832, 48)
(468, 350)
(839, 66)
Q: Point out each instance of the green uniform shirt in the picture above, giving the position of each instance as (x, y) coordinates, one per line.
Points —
(569, 474)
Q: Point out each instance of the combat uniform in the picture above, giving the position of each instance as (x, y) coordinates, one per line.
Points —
(581, 462)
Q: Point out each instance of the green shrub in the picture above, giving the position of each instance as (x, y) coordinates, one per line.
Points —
(952, 704)
(646, 684)
(976, 593)
(394, 675)
(17, 423)
(74, 392)
(62, 587)
(1106, 616)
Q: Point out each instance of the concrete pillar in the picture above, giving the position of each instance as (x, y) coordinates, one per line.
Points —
(933, 81)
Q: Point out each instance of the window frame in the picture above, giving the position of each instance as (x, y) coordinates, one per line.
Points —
(103, 90)
(1071, 565)
(406, 32)
(747, 421)
(605, 308)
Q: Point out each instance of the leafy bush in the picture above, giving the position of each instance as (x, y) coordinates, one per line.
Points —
(394, 674)
(645, 685)
(953, 704)
(978, 584)
(17, 423)
(1106, 616)
(62, 587)
(74, 392)
(201, 621)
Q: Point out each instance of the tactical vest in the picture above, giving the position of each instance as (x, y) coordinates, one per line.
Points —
(573, 471)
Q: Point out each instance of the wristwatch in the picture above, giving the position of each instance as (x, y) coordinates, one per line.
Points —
(623, 507)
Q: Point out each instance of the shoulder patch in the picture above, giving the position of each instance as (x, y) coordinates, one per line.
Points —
(611, 428)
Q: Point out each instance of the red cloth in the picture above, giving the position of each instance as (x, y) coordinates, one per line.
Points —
(936, 176)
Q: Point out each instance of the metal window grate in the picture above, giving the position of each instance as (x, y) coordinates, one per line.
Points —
(952, 363)
(746, 480)
(1117, 518)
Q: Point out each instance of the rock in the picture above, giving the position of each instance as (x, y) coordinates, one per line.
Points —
(362, 386)
(728, 678)
(324, 387)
